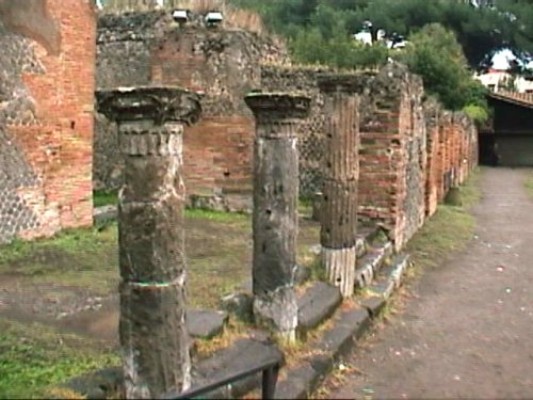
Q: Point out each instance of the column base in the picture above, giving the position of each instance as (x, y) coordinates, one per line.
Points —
(278, 311)
(340, 268)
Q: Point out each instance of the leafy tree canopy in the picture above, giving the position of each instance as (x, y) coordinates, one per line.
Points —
(478, 30)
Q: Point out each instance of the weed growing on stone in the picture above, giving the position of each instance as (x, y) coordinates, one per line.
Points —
(528, 183)
(233, 331)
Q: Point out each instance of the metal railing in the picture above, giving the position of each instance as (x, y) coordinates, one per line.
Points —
(269, 369)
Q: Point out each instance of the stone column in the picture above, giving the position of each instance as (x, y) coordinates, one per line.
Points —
(275, 215)
(153, 336)
(340, 175)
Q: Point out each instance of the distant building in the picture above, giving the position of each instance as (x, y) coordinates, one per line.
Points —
(498, 76)
(497, 80)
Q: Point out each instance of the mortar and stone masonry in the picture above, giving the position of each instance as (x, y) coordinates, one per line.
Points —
(46, 116)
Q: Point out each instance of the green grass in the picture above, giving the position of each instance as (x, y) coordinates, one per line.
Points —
(449, 230)
(528, 183)
(104, 198)
(218, 248)
(34, 358)
(216, 216)
(84, 258)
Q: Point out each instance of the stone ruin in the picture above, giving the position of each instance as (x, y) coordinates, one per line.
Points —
(412, 151)
(369, 143)
(222, 64)
(152, 255)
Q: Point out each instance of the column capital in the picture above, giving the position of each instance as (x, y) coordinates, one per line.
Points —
(350, 83)
(157, 103)
(278, 106)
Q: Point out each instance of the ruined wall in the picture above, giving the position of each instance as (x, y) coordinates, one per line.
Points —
(223, 64)
(411, 153)
(393, 153)
(432, 114)
(46, 122)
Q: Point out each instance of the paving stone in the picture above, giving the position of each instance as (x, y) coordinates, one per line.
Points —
(373, 304)
(384, 288)
(317, 304)
(205, 323)
(348, 325)
(297, 384)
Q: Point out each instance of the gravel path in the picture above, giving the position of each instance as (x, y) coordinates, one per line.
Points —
(469, 331)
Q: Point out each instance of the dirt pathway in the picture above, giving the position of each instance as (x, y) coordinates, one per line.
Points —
(469, 332)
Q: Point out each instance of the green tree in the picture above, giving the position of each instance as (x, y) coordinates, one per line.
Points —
(435, 54)
(478, 30)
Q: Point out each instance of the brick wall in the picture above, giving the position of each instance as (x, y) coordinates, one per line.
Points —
(393, 153)
(46, 123)
(432, 111)
(224, 64)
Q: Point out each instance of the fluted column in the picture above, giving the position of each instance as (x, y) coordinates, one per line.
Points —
(340, 180)
(275, 215)
(153, 336)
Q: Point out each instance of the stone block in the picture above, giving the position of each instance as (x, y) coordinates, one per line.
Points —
(317, 304)
(205, 323)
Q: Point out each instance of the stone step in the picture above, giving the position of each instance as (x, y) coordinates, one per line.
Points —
(370, 264)
(389, 279)
(317, 304)
(241, 356)
(205, 324)
(299, 381)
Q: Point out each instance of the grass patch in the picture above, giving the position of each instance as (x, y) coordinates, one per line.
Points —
(216, 216)
(233, 331)
(449, 230)
(218, 248)
(34, 358)
(104, 198)
(85, 258)
(528, 183)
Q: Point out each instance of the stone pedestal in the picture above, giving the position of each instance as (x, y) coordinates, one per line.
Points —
(153, 334)
(340, 173)
(275, 216)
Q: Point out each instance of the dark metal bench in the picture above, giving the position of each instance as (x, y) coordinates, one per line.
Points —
(269, 369)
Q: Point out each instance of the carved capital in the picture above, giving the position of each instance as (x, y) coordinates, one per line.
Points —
(151, 142)
(159, 104)
(271, 107)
